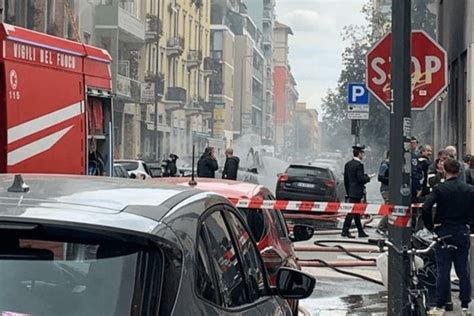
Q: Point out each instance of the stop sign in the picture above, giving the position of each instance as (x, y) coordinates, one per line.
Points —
(428, 66)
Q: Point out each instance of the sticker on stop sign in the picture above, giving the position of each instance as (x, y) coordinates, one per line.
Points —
(428, 65)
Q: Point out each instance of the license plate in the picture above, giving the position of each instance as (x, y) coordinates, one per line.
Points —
(305, 185)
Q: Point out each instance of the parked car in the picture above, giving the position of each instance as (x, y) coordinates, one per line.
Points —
(120, 171)
(307, 183)
(268, 227)
(101, 246)
(156, 168)
(135, 168)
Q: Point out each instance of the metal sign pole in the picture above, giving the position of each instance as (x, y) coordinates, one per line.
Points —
(400, 157)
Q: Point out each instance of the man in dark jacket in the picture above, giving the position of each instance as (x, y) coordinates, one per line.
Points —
(424, 161)
(455, 202)
(231, 165)
(170, 166)
(207, 164)
(354, 182)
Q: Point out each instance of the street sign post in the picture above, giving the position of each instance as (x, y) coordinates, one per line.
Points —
(428, 70)
(400, 132)
(357, 106)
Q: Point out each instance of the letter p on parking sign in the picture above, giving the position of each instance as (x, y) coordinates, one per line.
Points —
(357, 93)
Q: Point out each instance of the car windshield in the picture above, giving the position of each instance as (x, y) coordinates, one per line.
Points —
(41, 277)
(303, 171)
(129, 165)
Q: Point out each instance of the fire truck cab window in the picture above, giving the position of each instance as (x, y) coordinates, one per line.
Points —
(225, 259)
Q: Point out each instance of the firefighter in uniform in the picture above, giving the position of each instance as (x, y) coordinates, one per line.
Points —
(354, 183)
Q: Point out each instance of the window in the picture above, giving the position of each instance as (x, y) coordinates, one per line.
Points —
(205, 284)
(250, 256)
(302, 171)
(226, 262)
(256, 222)
(280, 223)
(49, 277)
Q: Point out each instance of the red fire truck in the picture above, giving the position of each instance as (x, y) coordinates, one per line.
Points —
(56, 105)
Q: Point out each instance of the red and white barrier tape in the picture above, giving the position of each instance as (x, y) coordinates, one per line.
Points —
(400, 214)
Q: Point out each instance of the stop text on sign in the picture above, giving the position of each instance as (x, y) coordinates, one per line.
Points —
(429, 70)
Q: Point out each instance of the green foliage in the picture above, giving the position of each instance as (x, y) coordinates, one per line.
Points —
(375, 131)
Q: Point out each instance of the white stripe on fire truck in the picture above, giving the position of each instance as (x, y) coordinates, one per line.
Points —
(43, 122)
(37, 147)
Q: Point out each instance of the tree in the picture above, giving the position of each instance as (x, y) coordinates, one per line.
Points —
(375, 131)
(336, 126)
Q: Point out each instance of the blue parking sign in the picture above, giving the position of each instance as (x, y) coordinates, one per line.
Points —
(357, 93)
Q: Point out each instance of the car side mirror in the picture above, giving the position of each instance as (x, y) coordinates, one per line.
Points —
(294, 284)
(302, 232)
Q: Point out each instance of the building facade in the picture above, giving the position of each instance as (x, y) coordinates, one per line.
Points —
(307, 131)
(262, 13)
(453, 111)
(285, 93)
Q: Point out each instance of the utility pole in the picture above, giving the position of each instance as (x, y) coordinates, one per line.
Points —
(400, 156)
(157, 71)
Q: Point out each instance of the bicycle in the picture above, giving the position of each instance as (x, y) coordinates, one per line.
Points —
(416, 293)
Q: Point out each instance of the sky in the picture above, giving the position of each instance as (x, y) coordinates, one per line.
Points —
(317, 45)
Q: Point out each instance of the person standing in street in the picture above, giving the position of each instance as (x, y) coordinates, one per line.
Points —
(170, 168)
(207, 164)
(470, 171)
(424, 161)
(452, 152)
(354, 182)
(455, 204)
(414, 146)
(231, 166)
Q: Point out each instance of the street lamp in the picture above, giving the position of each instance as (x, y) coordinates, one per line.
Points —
(242, 88)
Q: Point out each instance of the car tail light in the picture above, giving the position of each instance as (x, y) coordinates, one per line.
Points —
(273, 261)
(330, 183)
(283, 177)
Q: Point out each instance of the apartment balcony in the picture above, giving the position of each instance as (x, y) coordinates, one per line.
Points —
(175, 98)
(212, 66)
(154, 28)
(112, 16)
(268, 4)
(174, 46)
(267, 16)
(158, 80)
(194, 59)
(127, 89)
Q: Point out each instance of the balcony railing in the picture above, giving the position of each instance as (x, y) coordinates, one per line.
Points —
(158, 80)
(212, 66)
(128, 88)
(194, 58)
(154, 27)
(175, 46)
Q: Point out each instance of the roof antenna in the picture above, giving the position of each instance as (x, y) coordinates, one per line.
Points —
(192, 182)
(19, 185)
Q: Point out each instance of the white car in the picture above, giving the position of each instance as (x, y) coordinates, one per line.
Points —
(135, 168)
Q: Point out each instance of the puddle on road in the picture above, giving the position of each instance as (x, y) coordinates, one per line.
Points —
(346, 297)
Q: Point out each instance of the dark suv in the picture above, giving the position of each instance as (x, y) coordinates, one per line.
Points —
(307, 183)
